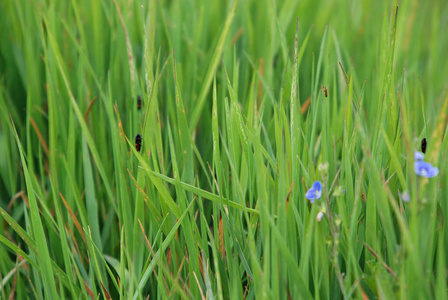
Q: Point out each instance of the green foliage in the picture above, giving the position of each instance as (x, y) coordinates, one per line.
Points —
(235, 121)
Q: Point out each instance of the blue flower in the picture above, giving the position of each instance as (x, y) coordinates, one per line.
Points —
(315, 192)
(418, 156)
(425, 169)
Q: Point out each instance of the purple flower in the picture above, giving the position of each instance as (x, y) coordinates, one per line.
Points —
(314, 192)
(418, 156)
(425, 169)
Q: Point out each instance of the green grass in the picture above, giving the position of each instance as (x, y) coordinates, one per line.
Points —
(236, 128)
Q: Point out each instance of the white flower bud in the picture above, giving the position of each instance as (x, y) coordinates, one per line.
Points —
(323, 168)
(319, 217)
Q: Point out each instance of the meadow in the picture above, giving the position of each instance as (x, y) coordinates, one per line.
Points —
(280, 150)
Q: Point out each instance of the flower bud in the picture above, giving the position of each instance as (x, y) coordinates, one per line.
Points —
(323, 168)
(319, 217)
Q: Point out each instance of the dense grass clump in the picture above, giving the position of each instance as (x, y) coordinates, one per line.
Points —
(246, 109)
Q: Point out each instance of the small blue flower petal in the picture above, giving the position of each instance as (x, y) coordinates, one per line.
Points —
(425, 169)
(317, 185)
(315, 192)
(310, 194)
(418, 156)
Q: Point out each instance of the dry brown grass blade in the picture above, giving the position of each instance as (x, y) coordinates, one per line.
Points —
(153, 209)
(75, 220)
(77, 249)
(168, 257)
(289, 194)
(89, 290)
(138, 186)
(14, 284)
(106, 294)
(86, 114)
(152, 254)
(305, 105)
(144, 235)
(237, 35)
(41, 138)
(221, 238)
(382, 262)
(201, 265)
(199, 285)
(16, 196)
(363, 294)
